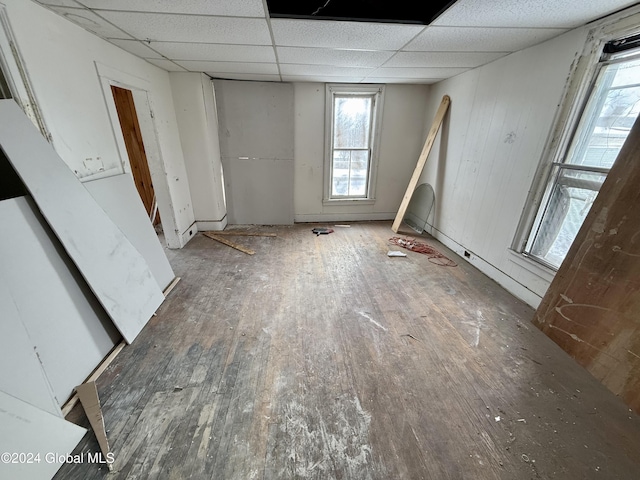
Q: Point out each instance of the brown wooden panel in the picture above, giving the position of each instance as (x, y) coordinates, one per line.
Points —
(135, 147)
(592, 308)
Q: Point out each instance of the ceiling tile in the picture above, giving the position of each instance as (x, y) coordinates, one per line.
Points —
(90, 21)
(237, 8)
(165, 64)
(530, 13)
(326, 56)
(324, 70)
(215, 52)
(347, 35)
(254, 77)
(135, 47)
(443, 59)
(429, 73)
(480, 39)
(321, 78)
(230, 67)
(191, 28)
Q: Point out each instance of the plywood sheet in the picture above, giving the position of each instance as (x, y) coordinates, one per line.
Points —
(115, 271)
(118, 197)
(66, 325)
(29, 430)
(591, 307)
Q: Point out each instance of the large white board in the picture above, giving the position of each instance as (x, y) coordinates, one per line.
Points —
(68, 328)
(114, 270)
(21, 373)
(38, 441)
(118, 197)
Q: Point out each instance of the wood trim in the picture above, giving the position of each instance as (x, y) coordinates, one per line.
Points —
(68, 406)
(171, 286)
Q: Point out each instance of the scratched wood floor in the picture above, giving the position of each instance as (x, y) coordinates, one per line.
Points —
(322, 358)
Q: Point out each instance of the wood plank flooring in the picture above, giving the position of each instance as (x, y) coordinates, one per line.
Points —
(319, 357)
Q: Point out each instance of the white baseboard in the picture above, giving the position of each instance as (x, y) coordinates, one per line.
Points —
(342, 217)
(211, 225)
(508, 283)
(188, 234)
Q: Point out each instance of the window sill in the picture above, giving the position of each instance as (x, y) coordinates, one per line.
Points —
(532, 266)
(348, 201)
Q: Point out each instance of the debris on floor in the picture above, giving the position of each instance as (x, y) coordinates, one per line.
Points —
(322, 231)
(395, 253)
(241, 233)
(432, 254)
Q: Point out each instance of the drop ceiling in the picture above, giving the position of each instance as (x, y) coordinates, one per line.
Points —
(239, 39)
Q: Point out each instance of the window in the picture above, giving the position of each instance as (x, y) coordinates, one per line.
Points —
(577, 175)
(351, 141)
(14, 82)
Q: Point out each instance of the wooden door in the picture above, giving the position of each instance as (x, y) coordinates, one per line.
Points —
(135, 147)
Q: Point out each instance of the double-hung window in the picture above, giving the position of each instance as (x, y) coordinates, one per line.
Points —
(352, 113)
(579, 170)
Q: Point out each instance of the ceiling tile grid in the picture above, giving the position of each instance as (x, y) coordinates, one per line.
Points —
(237, 39)
(233, 8)
(229, 67)
(213, 52)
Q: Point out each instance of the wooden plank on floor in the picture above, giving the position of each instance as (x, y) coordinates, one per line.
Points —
(229, 243)
(240, 233)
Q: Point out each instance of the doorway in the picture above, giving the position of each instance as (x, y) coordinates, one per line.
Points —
(132, 134)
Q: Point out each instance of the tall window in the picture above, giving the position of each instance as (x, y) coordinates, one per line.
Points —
(576, 177)
(351, 141)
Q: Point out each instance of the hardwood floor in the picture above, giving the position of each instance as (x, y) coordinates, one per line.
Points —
(320, 357)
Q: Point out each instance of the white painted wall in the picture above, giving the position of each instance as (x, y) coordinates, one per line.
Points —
(403, 134)
(194, 102)
(61, 60)
(484, 160)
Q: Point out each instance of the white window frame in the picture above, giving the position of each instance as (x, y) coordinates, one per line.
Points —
(575, 97)
(16, 75)
(333, 89)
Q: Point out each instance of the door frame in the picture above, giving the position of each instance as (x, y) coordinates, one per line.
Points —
(143, 101)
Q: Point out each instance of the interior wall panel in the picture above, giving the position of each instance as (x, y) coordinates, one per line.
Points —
(256, 128)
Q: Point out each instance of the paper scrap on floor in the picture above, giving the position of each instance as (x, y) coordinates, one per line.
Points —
(395, 253)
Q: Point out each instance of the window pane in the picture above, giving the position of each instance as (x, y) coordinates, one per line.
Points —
(352, 121)
(340, 174)
(569, 203)
(358, 178)
(609, 116)
(350, 170)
